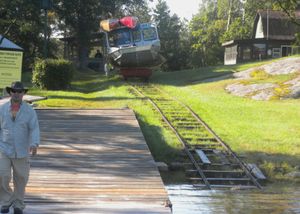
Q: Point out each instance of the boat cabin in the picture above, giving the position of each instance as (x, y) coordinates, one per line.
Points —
(143, 34)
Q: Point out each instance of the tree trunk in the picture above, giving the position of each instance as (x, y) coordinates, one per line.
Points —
(229, 15)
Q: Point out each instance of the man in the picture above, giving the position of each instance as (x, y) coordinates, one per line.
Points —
(19, 136)
(98, 54)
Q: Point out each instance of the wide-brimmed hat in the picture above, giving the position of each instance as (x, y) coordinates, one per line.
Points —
(16, 86)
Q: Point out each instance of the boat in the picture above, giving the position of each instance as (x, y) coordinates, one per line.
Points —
(133, 44)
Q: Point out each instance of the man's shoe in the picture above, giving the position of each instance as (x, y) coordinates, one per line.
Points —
(18, 210)
(5, 209)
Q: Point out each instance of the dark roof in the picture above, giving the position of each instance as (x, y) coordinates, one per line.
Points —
(250, 41)
(280, 25)
(6, 44)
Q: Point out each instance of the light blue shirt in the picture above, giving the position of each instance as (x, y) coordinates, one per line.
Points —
(16, 136)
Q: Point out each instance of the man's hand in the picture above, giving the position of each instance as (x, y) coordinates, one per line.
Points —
(33, 150)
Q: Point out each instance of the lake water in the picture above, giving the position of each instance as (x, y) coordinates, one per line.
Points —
(273, 199)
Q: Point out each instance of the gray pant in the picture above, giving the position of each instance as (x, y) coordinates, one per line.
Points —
(20, 168)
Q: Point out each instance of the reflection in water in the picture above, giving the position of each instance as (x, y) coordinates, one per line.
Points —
(272, 199)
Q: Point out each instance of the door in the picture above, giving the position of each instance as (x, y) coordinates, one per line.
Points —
(286, 50)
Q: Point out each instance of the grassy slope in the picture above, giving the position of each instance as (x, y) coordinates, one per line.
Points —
(267, 132)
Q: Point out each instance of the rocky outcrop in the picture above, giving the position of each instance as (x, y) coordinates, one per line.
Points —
(265, 91)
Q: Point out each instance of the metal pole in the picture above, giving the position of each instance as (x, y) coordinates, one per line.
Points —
(45, 34)
(267, 23)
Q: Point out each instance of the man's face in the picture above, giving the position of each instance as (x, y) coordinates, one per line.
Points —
(16, 95)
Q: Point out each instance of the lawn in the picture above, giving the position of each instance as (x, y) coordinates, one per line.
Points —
(265, 132)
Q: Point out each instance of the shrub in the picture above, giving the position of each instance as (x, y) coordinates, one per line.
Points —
(52, 74)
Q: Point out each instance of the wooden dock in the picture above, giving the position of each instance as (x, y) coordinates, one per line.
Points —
(91, 162)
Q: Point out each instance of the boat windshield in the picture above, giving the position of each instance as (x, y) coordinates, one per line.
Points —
(149, 34)
(119, 38)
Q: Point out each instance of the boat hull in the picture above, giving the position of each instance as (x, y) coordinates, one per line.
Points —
(130, 57)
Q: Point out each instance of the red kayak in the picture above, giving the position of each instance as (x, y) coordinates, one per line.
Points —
(129, 21)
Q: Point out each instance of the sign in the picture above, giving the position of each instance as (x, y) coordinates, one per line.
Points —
(10, 67)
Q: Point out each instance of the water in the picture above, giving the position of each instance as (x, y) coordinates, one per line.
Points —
(272, 199)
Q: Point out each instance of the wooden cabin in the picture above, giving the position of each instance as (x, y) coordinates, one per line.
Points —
(273, 36)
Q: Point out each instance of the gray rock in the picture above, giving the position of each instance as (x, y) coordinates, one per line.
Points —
(162, 166)
(295, 174)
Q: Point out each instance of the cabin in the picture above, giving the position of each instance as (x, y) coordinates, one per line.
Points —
(273, 37)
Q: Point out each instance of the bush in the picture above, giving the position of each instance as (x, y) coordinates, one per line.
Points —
(52, 74)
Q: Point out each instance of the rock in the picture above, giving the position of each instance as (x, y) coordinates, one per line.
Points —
(242, 90)
(263, 95)
(295, 174)
(294, 87)
(265, 91)
(162, 166)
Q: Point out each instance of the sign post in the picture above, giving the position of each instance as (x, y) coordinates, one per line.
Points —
(10, 67)
(11, 57)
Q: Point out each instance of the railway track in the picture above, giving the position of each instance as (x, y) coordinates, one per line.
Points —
(212, 163)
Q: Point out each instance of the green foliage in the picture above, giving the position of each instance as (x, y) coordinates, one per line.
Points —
(52, 74)
(237, 30)
(206, 29)
(21, 23)
(276, 170)
(173, 47)
(81, 19)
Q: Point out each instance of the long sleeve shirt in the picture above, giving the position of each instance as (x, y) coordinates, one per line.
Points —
(19, 134)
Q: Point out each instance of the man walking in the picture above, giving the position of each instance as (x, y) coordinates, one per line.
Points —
(19, 136)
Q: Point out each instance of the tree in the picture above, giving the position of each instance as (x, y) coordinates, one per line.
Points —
(289, 7)
(169, 27)
(20, 21)
(81, 18)
(206, 30)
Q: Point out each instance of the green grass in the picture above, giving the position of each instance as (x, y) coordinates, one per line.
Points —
(266, 132)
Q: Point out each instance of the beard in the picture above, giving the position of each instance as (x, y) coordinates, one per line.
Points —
(16, 98)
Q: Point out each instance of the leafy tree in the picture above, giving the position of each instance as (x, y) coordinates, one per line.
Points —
(20, 21)
(289, 7)
(81, 18)
(206, 29)
(170, 27)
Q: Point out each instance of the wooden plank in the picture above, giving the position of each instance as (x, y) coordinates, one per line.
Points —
(202, 156)
(93, 161)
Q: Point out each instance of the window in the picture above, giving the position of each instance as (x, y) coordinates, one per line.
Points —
(276, 52)
(120, 37)
(136, 35)
(246, 53)
(259, 51)
(149, 34)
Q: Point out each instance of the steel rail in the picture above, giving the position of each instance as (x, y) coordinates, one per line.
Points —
(181, 139)
(199, 170)
(231, 152)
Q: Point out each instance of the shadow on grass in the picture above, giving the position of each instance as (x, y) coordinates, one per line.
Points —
(91, 99)
(190, 77)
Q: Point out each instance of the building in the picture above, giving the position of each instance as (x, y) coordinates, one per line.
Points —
(273, 37)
